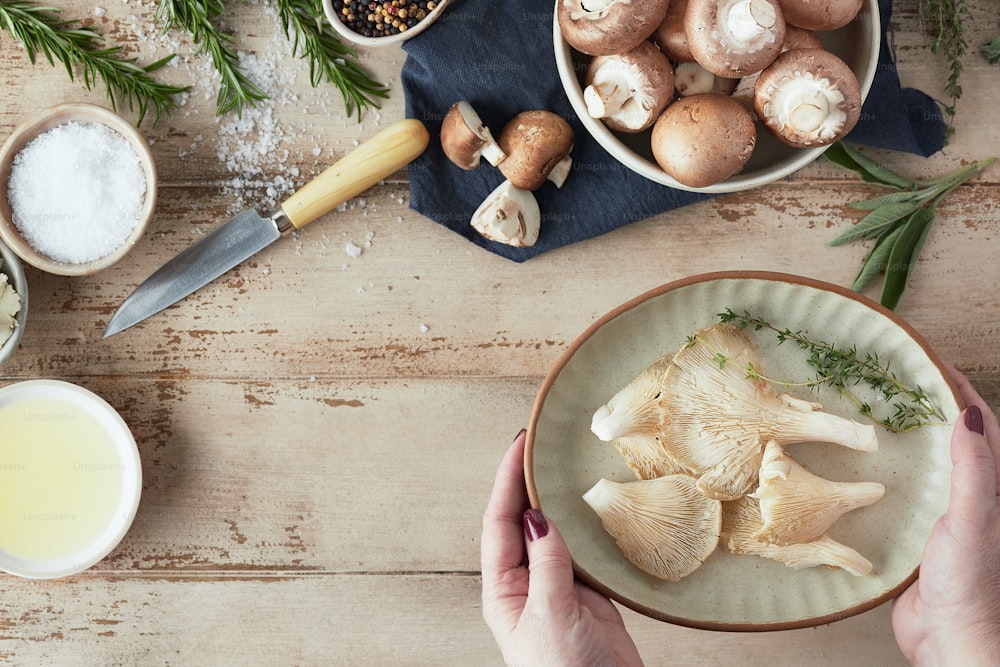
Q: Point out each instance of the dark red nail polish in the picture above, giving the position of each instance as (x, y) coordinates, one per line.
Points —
(974, 419)
(535, 525)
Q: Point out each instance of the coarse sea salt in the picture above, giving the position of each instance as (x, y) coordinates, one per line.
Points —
(76, 192)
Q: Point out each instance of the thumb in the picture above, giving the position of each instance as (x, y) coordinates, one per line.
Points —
(550, 566)
(974, 472)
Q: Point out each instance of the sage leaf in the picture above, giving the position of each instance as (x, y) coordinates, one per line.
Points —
(877, 259)
(875, 222)
(869, 170)
(891, 198)
(904, 255)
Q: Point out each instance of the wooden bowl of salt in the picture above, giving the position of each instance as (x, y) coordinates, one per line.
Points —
(77, 189)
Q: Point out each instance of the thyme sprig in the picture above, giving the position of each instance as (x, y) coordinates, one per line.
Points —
(845, 370)
(899, 222)
(328, 56)
(946, 20)
(198, 18)
(41, 29)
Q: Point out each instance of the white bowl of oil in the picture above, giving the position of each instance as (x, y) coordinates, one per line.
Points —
(70, 479)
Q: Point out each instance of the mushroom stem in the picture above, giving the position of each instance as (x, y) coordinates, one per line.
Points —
(607, 97)
(560, 172)
(803, 422)
(748, 19)
(807, 109)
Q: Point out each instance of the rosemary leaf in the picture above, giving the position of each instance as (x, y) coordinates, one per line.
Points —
(197, 17)
(40, 29)
(329, 59)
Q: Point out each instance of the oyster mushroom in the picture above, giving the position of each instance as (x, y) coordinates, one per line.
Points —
(464, 138)
(628, 91)
(712, 420)
(663, 526)
(828, 15)
(741, 521)
(537, 144)
(605, 27)
(509, 215)
(797, 506)
(808, 97)
(734, 38)
(670, 35)
(10, 306)
(702, 139)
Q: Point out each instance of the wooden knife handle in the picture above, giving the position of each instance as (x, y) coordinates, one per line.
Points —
(380, 156)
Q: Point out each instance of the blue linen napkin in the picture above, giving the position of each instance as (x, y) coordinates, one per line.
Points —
(499, 56)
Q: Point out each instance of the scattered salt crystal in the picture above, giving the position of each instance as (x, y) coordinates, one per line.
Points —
(352, 250)
(424, 328)
(76, 192)
(99, 12)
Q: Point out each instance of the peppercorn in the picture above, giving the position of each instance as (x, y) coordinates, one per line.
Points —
(381, 18)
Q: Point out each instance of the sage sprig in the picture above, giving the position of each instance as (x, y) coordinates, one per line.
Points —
(899, 222)
(991, 50)
(845, 369)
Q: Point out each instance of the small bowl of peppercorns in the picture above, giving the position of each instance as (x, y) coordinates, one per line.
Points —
(381, 22)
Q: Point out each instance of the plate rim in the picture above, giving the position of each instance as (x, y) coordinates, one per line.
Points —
(742, 274)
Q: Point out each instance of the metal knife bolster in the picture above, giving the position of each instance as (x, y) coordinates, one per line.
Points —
(281, 221)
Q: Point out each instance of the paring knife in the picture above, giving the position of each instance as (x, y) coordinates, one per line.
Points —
(248, 232)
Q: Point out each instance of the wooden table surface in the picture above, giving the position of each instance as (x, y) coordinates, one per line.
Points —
(319, 431)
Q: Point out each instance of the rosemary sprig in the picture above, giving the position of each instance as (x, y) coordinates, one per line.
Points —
(40, 29)
(899, 222)
(844, 370)
(197, 17)
(328, 56)
(946, 19)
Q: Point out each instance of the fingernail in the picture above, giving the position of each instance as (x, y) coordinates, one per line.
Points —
(535, 525)
(974, 419)
(520, 433)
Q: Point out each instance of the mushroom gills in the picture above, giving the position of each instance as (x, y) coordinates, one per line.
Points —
(509, 215)
(663, 526)
(629, 90)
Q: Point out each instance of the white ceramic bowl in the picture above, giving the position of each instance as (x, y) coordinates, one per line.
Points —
(563, 459)
(360, 40)
(856, 43)
(45, 121)
(66, 504)
(11, 267)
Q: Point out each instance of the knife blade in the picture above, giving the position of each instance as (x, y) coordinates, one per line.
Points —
(249, 232)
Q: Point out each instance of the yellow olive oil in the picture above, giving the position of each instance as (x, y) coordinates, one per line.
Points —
(61, 479)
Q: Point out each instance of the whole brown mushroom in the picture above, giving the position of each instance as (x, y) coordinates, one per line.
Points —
(628, 91)
(703, 139)
(808, 97)
(734, 38)
(537, 144)
(670, 35)
(604, 27)
(825, 15)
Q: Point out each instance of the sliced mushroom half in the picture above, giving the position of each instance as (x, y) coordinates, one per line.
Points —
(509, 215)
(628, 91)
(808, 97)
(464, 138)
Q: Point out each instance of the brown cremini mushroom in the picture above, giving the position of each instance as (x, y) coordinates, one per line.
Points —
(537, 144)
(509, 215)
(702, 139)
(464, 138)
(734, 38)
(795, 38)
(605, 27)
(826, 15)
(808, 97)
(663, 526)
(670, 35)
(628, 91)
